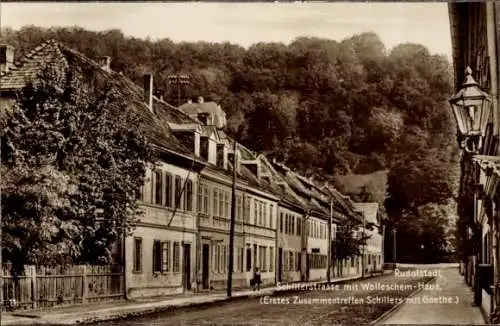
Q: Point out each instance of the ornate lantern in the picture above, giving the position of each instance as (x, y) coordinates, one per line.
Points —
(471, 108)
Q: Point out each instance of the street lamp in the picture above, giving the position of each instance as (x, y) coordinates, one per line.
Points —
(472, 108)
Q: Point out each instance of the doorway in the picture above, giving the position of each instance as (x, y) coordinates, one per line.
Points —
(205, 256)
(187, 266)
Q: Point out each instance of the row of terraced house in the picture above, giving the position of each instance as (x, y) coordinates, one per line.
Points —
(181, 242)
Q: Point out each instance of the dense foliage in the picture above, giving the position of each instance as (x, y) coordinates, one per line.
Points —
(348, 241)
(70, 170)
(329, 109)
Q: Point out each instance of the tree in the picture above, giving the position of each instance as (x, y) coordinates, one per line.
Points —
(71, 168)
(348, 240)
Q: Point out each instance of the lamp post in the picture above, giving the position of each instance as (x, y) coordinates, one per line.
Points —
(472, 108)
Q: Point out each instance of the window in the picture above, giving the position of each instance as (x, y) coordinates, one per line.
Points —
(166, 257)
(221, 204)
(138, 255)
(281, 222)
(256, 212)
(189, 195)
(157, 188)
(205, 199)
(299, 225)
(239, 214)
(292, 231)
(246, 204)
(297, 261)
(262, 258)
(216, 202)
(204, 147)
(178, 191)
(249, 259)
(242, 259)
(285, 260)
(264, 214)
(352, 261)
(286, 224)
(290, 258)
(224, 259)
(176, 257)
(139, 194)
(271, 259)
(271, 219)
(239, 260)
(213, 252)
(168, 190)
(220, 155)
(157, 253)
(200, 198)
(226, 204)
(217, 258)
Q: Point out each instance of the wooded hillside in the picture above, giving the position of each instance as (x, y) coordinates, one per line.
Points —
(350, 111)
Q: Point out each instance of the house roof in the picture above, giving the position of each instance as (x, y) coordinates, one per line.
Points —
(155, 126)
(195, 108)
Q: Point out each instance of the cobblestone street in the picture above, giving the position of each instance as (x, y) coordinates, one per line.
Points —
(364, 301)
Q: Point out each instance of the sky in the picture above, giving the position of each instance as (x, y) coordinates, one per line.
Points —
(246, 23)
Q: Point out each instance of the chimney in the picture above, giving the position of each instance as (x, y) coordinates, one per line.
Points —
(190, 101)
(148, 91)
(200, 99)
(105, 63)
(6, 57)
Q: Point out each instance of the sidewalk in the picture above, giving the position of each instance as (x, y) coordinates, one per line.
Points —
(89, 313)
(420, 310)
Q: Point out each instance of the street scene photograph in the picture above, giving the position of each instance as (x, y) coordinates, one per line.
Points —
(249, 163)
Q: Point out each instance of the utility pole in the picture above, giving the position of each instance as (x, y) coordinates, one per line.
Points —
(178, 80)
(363, 255)
(124, 259)
(330, 242)
(1, 250)
(231, 228)
(394, 247)
(383, 245)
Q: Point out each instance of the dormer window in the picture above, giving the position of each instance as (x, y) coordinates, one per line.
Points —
(220, 155)
(204, 147)
(254, 167)
(204, 118)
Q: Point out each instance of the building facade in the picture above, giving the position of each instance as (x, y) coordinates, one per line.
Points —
(475, 31)
(373, 250)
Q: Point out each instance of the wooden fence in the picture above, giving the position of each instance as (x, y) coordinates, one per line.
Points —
(44, 287)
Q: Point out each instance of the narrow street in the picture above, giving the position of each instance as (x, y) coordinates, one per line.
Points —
(353, 303)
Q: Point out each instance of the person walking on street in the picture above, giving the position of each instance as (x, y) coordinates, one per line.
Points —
(256, 280)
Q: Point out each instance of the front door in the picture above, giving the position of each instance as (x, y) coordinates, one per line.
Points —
(187, 266)
(205, 256)
(280, 264)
